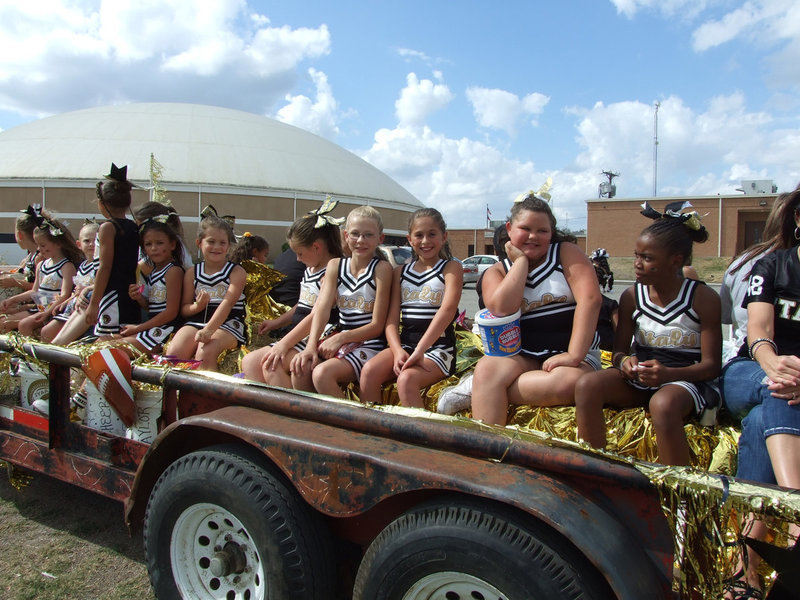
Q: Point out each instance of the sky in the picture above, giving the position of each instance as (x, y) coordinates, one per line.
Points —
(466, 104)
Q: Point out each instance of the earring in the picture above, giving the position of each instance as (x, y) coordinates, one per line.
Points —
(797, 233)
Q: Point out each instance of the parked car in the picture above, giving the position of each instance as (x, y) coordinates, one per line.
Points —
(475, 265)
(396, 255)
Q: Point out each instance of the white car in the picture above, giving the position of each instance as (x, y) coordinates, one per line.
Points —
(475, 265)
(396, 255)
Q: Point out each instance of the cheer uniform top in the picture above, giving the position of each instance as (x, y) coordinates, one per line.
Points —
(548, 311)
(355, 301)
(29, 266)
(156, 283)
(51, 278)
(776, 279)
(217, 285)
(421, 296)
(671, 335)
(116, 307)
(309, 292)
(84, 277)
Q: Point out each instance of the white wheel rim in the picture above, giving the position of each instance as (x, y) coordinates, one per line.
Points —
(200, 532)
(452, 585)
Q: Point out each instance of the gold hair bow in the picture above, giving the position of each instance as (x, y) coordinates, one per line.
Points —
(43, 223)
(323, 216)
(163, 219)
(90, 221)
(543, 193)
(673, 211)
(209, 211)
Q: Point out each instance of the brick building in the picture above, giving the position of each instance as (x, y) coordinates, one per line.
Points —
(734, 222)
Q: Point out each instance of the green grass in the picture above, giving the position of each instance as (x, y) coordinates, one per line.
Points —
(710, 268)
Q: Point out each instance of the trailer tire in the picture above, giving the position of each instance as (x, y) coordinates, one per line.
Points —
(219, 525)
(469, 550)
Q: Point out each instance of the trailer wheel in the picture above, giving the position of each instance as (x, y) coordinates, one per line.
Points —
(219, 526)
(468, 551)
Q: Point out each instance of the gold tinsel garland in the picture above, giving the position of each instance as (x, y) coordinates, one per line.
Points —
(706, 511)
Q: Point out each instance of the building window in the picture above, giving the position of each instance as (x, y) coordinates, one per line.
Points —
(470, 249)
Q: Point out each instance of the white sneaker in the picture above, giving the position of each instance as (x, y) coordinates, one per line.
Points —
(41, 406)
(455, 397)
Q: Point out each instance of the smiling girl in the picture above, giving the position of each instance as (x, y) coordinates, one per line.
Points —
(359, 286)
(419, 329)
(213, 299)
(554, 285)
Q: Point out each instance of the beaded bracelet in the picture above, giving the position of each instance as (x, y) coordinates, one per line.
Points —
(755, 344)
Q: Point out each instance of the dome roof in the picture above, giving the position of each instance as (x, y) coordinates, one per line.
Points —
(196, 144)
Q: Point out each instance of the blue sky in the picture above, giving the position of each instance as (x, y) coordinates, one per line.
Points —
(464, 103)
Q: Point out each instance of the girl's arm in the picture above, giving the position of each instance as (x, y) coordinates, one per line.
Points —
(282, 321)
(22, 297)
(453, 283)
(783, 370)
(174, 283)
(135, 292)
(393, 318)
(623, 336)
(105, 239)
(582, 280)
(238, 279)
(376, 326)
(191, 305)
(319, 316)
(502, 292)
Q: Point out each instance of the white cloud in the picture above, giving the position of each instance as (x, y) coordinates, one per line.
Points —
(669, 8)
(419, 99)
(499, 109)
(317, 116)
(57, 56)
(726, 138)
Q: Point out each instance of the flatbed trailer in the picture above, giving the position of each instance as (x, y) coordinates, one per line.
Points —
(251, 491)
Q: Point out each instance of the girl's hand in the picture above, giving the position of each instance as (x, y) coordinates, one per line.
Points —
(129, 330)
(202, 299)
(329, 346)
(135, 291)
(40, 317)
(203, 336)
(651, 373)
(91, 314)
(628, 367)
(400, 360)
(273, 358)
(513, 252)
(783, 369)
(560, 360)
(304, 362)
(83, 298)
(267, 325)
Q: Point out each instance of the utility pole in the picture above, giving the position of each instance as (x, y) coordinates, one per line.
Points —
(655, 150)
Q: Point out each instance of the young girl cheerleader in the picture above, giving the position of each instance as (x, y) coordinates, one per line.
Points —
(53, 282)
(151, 210)
(213, 299)
(251, 247)
(554, 285)
(419, 328)
(359, 286)
(26, 272)
(117, 251)
(161, 292)
(83, 280)
(677, 342)
(316, 240)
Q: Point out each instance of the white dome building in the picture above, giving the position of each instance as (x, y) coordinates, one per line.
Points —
(264, 172)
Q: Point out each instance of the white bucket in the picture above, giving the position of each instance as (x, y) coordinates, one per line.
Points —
(148, 410)
(33, 385)
(501, 336)
(99, 414)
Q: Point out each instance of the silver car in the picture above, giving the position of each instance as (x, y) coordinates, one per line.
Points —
(475, 265)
